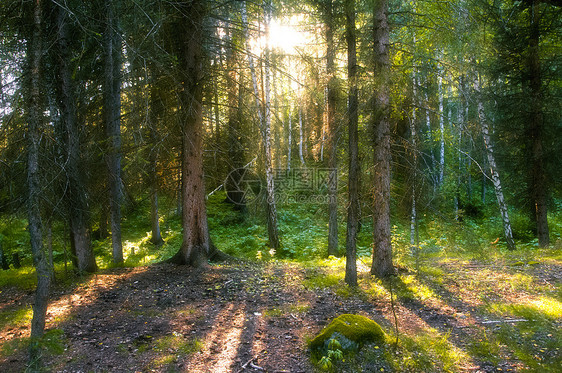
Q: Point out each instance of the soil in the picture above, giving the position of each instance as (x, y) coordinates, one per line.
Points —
(249, 317)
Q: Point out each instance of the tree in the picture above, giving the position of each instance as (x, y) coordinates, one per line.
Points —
(112, 119)
(353, 212)
(156, 110)
(382, 251)
(272, 231)
(329, 16)
(186, 32)
(235, 118)
(494, 170)
(264, 118)
(69, 135)
(40, 257)
(536, 127)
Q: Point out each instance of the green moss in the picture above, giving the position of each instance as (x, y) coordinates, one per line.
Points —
(356, 328)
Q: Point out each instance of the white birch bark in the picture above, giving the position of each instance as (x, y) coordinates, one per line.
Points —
(494, 170)
(441, 128)
(301, 136)
(290, 140)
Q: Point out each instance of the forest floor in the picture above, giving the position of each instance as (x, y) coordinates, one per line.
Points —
(453, 315)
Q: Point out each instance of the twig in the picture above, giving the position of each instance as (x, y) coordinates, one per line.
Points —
(246, 364)
(502, 321)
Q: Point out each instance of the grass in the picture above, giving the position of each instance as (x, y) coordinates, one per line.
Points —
(16, 318)
(442, 274)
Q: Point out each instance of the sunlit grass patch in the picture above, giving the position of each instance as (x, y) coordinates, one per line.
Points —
(486, 347)
(533, 309)
(414, 289)
(435, 273)
(23, 278)
(286, 310)
(16, 317)
(321, 280)
(178, 344)
(374, 288)
(428, 351)
(170, 348)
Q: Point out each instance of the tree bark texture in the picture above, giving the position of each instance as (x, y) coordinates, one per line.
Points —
(156, 109)
(187, 26)
(535, 130)
(272, 231)
(353, 207)
(40, 256)
(494, 171)
(332, 131)
(77, 202)
(382, 251)
(234, 130)
(112, 113)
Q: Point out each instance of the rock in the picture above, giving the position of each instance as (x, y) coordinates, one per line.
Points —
(356, 328)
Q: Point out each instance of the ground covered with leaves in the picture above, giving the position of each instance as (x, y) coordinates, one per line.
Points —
(452, 314)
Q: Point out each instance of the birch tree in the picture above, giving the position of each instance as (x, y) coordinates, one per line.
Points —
(494, 169)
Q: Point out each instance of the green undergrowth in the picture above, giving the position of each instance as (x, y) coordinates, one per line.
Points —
(53, 342)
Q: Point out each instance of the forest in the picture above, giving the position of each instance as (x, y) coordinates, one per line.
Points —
(280, 186)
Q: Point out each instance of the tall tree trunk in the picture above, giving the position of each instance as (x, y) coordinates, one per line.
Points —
(413, 134)
(290, 139)
(434, 174)
(301, 136)
(536, 129)
(272, 231)
(332, 131)
(156, 108)
(83, 255)
(353, 209)
(382, 251)
(441, 127)
(112, 112)
(264, 116)
(494, 170)
(196, 246)
(40, 257)
(235, 147)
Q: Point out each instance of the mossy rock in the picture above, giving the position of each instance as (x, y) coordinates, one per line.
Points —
(356, 328)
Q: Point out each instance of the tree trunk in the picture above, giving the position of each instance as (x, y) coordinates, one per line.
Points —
(434, 174)
(235, 147)
(535, 130)
(353, 209)
(40, 257)
(382, 252)
(272, 231)
(441, 128)
(156, 108)
(196, 246)
(414, 150)
(112, 113)
(78, 209)
(332, 132)
(301, 136)
(290, 140)
(264, 116)
(494, 170)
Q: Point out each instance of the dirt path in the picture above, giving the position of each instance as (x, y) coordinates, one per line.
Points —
(235, 318)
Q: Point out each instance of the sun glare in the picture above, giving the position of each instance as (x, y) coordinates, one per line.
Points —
(285, 37)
